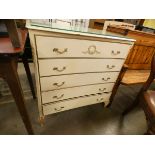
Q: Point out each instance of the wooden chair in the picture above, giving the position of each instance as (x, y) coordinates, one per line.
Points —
(130, 77)
(127, 78)
(140, 55)
(138, 63)
(145, 97)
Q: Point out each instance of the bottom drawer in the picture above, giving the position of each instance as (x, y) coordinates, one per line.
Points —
(74, 103)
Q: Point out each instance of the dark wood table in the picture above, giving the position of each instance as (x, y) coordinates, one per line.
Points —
(8, 71)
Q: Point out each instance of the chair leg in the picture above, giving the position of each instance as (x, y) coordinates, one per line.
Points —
(117, 84)
(28, 73)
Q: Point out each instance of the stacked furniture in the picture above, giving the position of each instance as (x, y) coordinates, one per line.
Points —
(75, 69)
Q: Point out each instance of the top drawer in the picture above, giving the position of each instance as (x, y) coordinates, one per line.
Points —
(48, 47)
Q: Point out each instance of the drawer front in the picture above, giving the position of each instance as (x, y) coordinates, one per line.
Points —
(49, 67)
(62, 94)
(74, 103)
(49, 47)
(73, 80)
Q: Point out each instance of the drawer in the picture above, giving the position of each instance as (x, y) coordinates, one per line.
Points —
(67, 66)
(72, 80)
(62, 94)
(74, 103)
(49, 47)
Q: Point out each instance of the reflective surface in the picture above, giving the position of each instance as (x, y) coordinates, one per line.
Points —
(46, 23)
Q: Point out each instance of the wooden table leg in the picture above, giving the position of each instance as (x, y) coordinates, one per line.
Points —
(28, 73)
(9, 70)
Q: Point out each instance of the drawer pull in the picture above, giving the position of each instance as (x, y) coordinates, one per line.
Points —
(56, 97)
(110, 67)
(106, 79)
(60, 52)
(92, 50)
(100, 100)
(58, 85)
(102, 90)
(59, 70)
(115, 53)
(58, 109)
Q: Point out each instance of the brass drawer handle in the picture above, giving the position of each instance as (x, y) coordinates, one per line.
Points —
(56, 97)
(100, 100)
(58, 109)
(102, 90)
(115, 53)
(59, 85)
(60, 52)
(107, 92)
(106, 79)
(59, 70)
(91, 50)
(110, 67)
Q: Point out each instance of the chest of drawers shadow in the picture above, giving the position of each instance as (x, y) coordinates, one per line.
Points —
(75, 69)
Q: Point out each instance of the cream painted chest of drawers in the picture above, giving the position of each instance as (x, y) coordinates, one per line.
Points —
(75, 69)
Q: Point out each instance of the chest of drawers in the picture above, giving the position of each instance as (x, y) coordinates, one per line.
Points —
(75, 69)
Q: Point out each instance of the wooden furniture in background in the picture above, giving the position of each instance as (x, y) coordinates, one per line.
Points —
(138, 62)
(99, 23)
(118, 24)
(140, 55)
(96, 23)
(8, 71)
(12, 31)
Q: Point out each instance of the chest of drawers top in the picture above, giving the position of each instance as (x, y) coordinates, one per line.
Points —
(90, 34)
